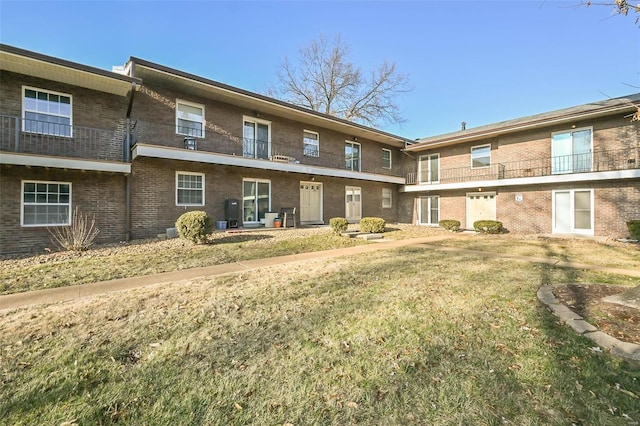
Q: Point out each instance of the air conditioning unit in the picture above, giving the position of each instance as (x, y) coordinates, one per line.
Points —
(191, 144)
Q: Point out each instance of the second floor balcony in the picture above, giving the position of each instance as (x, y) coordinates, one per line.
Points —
(267, 151)
(596, 161)
(55, 143)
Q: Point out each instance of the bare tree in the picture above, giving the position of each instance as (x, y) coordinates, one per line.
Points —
(618, 7)
(324, 79)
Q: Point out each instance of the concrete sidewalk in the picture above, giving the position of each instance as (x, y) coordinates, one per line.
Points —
(17, 300)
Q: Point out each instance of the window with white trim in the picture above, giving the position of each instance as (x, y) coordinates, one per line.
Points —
(311, 143)
(571, 151)
(189, 119)
(46, 203)
(352, 156)
(386, 158)
(429, 210)
(480, 156)
(257, 138)
(46, 112)
(429, 168)
(387, 200)
(573, 211)
(189, 189)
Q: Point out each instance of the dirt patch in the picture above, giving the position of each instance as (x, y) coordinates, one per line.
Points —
(621, 322)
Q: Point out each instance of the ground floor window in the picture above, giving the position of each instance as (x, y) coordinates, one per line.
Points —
(387, 200)
(573, 211)
(429, 210)
(256, 199)
(189, 189)
(46, 203)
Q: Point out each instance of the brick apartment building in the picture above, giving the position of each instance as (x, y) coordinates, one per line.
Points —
(139, 147)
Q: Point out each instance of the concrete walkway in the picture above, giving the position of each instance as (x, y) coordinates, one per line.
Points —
(626, 350)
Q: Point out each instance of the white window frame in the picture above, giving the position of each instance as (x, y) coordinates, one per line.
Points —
(428, 180)
(428, 198)
(472, 156)
(178, 188)
(390, 159)
(35, 203)
(256, 212)
(304, 144)
(573, 229)
(559, 170)
(50, 92)
(352, 143)
(387, 194)
(193, 105)
(247, 118)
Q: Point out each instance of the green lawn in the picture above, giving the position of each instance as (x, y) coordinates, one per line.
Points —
(406, 336)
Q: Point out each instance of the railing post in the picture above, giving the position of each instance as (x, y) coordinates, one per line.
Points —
(17, 133)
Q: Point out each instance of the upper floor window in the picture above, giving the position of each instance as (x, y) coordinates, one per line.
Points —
(189, 119)
(310, 143)
(386, 158)
(429, 168)
(46, 203)
(189, 189)
(352, 156)
(571, 151)
(480, 156)
(257, 138)
(46, 112)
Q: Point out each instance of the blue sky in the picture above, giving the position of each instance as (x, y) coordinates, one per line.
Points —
(479, 62)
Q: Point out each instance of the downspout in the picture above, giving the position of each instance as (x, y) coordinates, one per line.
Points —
(127, 178)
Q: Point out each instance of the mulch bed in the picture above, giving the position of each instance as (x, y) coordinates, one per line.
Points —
(618, 321)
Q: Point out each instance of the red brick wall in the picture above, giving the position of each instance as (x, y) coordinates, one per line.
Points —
(95, 193)
(153, 193)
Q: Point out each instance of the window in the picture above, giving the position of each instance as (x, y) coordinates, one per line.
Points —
(571, 151)
(386, 198)
(573, 211)
(189, 119)
(256, 199)
(46, 112)
(257, 138)
(429, 168)
(429, 210)
(189, 189)
(352, 156)
(480, 156)
(310, 143)
(386, 158)
(46, 203)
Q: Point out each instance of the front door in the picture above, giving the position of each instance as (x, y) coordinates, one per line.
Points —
(310, 202)
(353, 204)
(480, 206)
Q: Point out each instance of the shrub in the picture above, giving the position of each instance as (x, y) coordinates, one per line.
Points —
(488, 226)
(338, 225)
(634, 229)
(79, 235)
(372, 224)
(450, 225)
(194, 226)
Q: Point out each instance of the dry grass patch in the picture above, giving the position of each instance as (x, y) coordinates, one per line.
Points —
(391, 337)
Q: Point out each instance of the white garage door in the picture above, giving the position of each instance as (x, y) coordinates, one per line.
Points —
(480, 206)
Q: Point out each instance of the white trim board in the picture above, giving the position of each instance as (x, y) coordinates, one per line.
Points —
(64, 163)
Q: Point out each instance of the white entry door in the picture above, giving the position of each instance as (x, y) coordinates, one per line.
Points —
(353, 203)
(310, 202)
(480, 206)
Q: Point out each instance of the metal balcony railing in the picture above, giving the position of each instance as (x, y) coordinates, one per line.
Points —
(284, 150)
(597, 161)
(60, 140)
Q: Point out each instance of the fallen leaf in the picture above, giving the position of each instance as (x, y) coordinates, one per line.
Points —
(352, 404)
(238, 406)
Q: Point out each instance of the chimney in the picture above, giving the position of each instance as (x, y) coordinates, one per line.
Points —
(463, 125)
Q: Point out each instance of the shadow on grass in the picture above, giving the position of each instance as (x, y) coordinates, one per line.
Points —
(238, 238)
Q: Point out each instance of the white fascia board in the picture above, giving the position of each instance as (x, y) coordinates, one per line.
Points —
(64, 163)
(154, 151)
(553, 179)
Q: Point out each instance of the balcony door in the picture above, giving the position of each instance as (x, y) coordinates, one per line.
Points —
(353, 203)
(571, 151)
(257, 138)
(429, 168)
